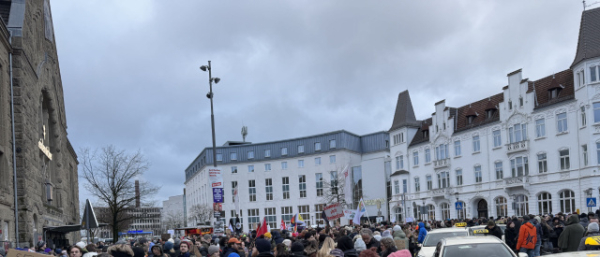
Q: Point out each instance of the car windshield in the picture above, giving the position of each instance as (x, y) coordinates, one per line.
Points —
(477, 250)
(432, 239)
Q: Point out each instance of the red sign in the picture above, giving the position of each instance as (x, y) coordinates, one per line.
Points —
(334, 211)
(218, 184)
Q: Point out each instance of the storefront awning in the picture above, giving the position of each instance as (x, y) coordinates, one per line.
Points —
(68, 228)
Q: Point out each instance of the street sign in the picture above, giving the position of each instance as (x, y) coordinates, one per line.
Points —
(591, 201)
(459, 206)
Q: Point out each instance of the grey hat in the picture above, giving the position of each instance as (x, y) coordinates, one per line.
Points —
(213, 249)
(593, 227)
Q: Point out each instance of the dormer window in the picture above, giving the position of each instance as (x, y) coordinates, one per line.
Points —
(490, 110)
(594, 73)
(489, 113)
(581, 77)
(470, 119)
(553, 93)
(425, 132)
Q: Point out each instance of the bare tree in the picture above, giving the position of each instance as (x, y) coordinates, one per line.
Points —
(172, 219)
(110, 174)
(334, 190)
(200, 213)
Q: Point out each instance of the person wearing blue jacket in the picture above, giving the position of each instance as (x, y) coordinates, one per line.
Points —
(422, 232)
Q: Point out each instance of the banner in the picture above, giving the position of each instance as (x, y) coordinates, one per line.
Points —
(349, 214)
(218, 195)
(216, 181)
(360, 210)
(334, 211)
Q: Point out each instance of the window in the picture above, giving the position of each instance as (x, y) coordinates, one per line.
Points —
(521, 205)
(583, 118)
(300, 149)
(416, 158)
(431, 212)
(596, 112)
(581, 78)
(509, 104)
(233, 156)
(567, 201)
(286, 214)
(501, 207)
(598, 152)
(284, 165)
(285, 181)
(443, 179)
(499, 173)
(459, 178)
(396, 187)
(445, 211)
(542, 163)
(398, 138)
(318, 211)
(284, 151)
(457, 151)
(417, 185)
(476, 148)
(319, 179)
(517, 133)
(519, 167)
(521, 101)
(427, 155)
(593, 73)
(545, 203)
(253, 217)
(269, 188)
(561, 122)
(399, 162)
(429, 182)
(233, 189)
(268, 153)
(300, 163)
(441, 152)
(271, 217)
(334, 182)
(478, 174)
(267, 167)
(252, 190)
(564, 159)
(404, 186)
(233, 169)
(540, 128)
(251, 155)
(250, 168)
(317, 146)
(332, 143)
(219, 157)
(331, 159)
(585, 155)
(304, 211)
(302, 184)
(497, 138)
(317, 161)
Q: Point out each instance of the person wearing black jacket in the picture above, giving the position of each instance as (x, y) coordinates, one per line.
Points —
(347, 246)
(511, 234)
(367, 236)
(263, 247)
(494, 230)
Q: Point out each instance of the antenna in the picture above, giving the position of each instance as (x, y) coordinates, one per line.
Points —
(244, 132)
(589, 5)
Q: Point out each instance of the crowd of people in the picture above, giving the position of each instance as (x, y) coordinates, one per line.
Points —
(534, 235)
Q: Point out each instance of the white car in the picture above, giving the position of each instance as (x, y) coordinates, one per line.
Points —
(483, 231)
(434, 236)
(488, 246)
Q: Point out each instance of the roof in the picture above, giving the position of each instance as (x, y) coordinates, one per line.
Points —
(400, 172)
(461, 240)
(588, 45)
(479, 110)
(563, 79)
(405, 114)
(419, 137)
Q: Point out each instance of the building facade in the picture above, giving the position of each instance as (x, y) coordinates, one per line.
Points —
(533, 148)
(33, 120)
(279, 179)
(173, 213)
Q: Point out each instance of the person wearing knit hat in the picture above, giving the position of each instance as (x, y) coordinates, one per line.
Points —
(213, 251)
(593, 229)
(263, 247)
(40, 247)
(298, 250)
(338, 253)
(287, 243)
(268, 235)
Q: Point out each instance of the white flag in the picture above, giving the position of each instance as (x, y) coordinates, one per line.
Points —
(236, 201)
(360, 210)
(347, 184)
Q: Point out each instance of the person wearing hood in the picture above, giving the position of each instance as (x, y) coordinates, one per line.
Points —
(156, 251)
(387, 247)
(422, 233)
(527, 237)
(121, 249)
(347, 246)
(583, 220)
(298, 250)
(359, 245)
(40, 247)
(593, 229)
(387, 234)
(510, 235)
(571, 235)
(262, 248)
(400, 235)
(168, 249)
(401, 253)
(537, 222)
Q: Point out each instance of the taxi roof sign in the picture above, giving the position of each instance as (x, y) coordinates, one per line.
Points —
(481, 231)
(461, 224)
(593, 240)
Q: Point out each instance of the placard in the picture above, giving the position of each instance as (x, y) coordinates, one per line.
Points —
(334, 211)
(349, 214)
(217, 195)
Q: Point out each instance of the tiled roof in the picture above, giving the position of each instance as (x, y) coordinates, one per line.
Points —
(562, 80)
(405, 115)
(479, 109)
(419, 138)
(588, 45)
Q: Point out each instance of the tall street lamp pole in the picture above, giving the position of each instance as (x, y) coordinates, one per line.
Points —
(212, 115)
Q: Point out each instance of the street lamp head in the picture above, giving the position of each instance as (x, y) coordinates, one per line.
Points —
(217, 80)
(204, 67)
(209, 95)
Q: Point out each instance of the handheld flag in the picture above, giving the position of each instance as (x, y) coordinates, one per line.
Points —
(324, 217)
(283, 227)
(360, 210)
(262, 229)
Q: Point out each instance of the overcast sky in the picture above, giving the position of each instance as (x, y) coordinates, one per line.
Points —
(131, 77)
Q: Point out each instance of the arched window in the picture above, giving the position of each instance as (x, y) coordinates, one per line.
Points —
(521, 205)
(545, 203)
(501, 208)
(399, 213)
(445, 211)
(431, 211)
(462, 214)
(567, 201)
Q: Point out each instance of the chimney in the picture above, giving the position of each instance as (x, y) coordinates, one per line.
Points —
(137, 194)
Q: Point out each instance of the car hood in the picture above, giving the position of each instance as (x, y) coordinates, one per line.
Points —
(426, 251)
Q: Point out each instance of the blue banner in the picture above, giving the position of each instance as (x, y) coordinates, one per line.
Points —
(218, 195)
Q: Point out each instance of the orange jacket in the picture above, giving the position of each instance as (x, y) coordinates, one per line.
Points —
(527, 236)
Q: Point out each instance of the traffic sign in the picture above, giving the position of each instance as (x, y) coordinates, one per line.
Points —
(591, 201)
(459, 206)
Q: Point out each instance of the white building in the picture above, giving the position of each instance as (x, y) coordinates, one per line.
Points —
(283, 178)
(173, 213)
(532, 148)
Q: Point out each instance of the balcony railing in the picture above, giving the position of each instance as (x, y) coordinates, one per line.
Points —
(438, 164)
(516, 181)
(517, 146)
(441, 191)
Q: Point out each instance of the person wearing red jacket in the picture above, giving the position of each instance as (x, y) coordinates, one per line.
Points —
(527, 237)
